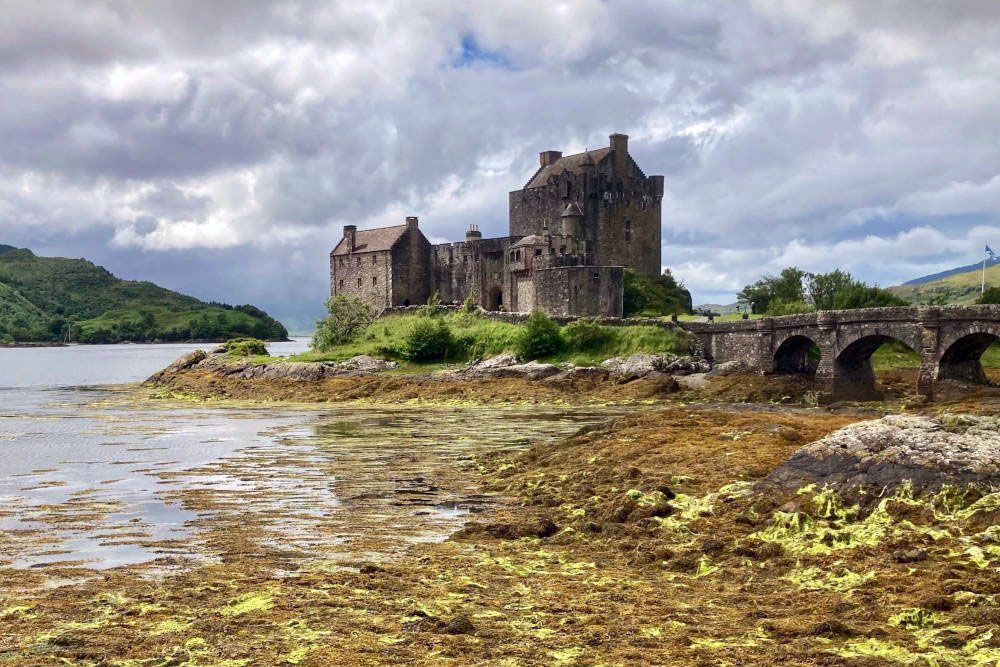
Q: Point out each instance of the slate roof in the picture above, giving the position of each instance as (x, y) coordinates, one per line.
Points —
(372, 240)
(571, 163)
(531, 239)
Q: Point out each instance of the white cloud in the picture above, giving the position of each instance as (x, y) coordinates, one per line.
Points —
(854, 133)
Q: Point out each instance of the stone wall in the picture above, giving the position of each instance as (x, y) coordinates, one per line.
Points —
(411, 269)
(366, 275)
(577, 291)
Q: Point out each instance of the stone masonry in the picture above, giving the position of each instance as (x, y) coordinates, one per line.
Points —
(575, 227)
(837, 345)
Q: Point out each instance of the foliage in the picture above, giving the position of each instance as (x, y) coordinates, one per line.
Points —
(779, 307)
(245, 347)
(655, 296)
(786, 287)
(540, 337)
(990, 296)
(429, 339)
(586, 335)
(796, 291)
(469, 305)
(59, 299)
(480, 337)
(347, 317)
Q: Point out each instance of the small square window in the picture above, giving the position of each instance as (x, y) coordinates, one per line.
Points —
(538, 252)
(597, 277)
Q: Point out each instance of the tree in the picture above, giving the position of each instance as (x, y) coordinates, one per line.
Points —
(785, 287)
(348, 316)
(991, 295)
(659, 295)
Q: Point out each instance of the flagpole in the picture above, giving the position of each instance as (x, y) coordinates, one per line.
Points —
(982, 291)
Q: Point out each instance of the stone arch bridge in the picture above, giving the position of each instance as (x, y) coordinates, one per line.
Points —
(949, 340)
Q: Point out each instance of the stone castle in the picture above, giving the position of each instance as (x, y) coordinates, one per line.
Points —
(575, 227)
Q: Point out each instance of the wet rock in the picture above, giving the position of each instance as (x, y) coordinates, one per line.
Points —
(532, 370)
(579, 373)
(181, 364)
(694, 382)
(880, 455)
(366, 364)
(510, 530)
(499, 361)
(728, 368)
(909, 556)
(640, 365)
(460, 625)
(832, 628)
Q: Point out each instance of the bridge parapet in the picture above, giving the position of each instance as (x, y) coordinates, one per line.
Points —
(948, 339)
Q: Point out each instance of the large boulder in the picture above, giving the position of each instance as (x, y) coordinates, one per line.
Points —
(639, 365)
(481, 367)
(879, 455)
(366, 364)
(532, 370)
(181, 364)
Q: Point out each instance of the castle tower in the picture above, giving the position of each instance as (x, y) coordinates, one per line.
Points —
(572, 220)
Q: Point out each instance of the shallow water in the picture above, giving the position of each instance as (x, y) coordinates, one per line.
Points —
(94, 475)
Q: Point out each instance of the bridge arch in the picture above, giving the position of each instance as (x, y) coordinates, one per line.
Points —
(962, 352)
(853, 374)
(796, 354)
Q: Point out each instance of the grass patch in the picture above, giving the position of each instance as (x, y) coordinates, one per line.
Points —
(478, 337)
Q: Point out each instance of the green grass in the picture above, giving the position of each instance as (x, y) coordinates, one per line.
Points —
(46, 298)
(960, 288)
(482, 337)
(893, 355)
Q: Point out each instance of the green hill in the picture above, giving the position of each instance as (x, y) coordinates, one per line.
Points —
(957, 288)
(44, 299)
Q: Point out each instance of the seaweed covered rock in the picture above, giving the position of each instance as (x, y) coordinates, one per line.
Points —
(640, 365)
(883, 454)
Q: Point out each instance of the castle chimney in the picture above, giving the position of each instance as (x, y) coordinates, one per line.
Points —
(350, 233)
(545, 158)
(411, 222)
(619, 144)
(572, 218)
(473, 234)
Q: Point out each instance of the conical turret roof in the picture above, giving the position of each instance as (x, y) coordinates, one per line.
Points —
(572, 210)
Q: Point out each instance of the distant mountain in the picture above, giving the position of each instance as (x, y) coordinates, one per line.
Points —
(951, 272)
(48, 299)
(961, 285)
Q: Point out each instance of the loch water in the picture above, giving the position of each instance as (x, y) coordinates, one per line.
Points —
(96, 473)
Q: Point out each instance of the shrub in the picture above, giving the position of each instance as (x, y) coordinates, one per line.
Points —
(348, 316)
(245, 347)
(540, 337)
(991, 295)
(781, 307)
(654, 295)
(469, 306)
(429, 339)
(587, 334)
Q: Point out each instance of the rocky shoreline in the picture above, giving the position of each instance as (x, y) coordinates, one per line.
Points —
(500, 378)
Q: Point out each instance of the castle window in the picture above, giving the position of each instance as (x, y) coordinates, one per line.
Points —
(359, 282)
(552, 250)
(359, 260)
(597, 277)
(538, 252)
(517, 255)
(341, 284)
(562, 250)
(628, 230)
(374, 257)
(374, 281)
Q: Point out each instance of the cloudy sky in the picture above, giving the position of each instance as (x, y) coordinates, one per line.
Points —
(218, 147)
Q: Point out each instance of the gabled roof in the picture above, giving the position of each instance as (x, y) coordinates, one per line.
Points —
(372, 240)
(571, 163)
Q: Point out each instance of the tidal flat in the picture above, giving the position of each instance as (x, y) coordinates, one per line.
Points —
(153, 531)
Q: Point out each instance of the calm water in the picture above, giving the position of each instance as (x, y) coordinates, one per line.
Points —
(94, 474)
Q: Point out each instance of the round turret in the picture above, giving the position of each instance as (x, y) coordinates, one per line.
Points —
(572, 220)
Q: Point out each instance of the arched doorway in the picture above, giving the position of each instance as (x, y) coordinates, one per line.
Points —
(495, 299)
(796, 355)
(963, 358)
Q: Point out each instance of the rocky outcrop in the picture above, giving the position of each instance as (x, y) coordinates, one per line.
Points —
(226, 366)
(639, 365)
(880, 455)
(181, 364)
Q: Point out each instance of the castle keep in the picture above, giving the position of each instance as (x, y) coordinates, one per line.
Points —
(577, 224)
